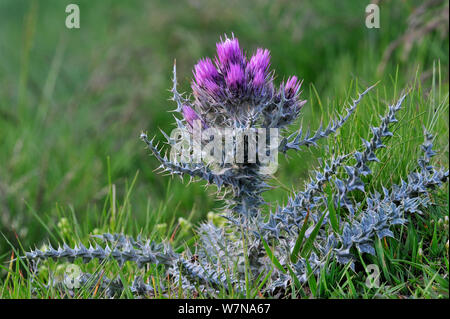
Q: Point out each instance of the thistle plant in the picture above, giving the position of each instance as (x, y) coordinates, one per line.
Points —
(324, 221)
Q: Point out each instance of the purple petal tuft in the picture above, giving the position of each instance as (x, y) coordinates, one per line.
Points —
(190, 115)
(205, 71)
(235, 78)
(291, 87)
(229, 52)
(259, 62)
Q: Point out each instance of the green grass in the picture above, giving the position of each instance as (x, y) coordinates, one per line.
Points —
(73, 102)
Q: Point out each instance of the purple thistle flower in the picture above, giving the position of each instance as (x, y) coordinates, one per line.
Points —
(190, 116)
(235, 78)
(291, 87)
(232, 85)
(213, 88)
(205, 71)
(258, 81)
(206, 79)
(257, 70)
(229, 52)
(210, 89)
(259, 62)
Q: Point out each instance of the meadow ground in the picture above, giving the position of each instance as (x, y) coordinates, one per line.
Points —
(73, 103)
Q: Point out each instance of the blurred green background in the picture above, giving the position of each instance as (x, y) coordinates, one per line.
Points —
(69, 99)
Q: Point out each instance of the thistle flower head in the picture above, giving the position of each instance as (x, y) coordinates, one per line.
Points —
(235, 78)
(257, 72)
(205, 71)
(229, 52)
(259, 62)
(190, 115)
(291, 87)
(258, 81)
(240, 88)
(206, 80)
